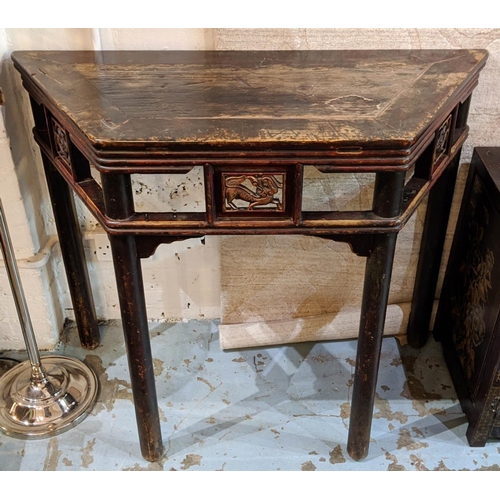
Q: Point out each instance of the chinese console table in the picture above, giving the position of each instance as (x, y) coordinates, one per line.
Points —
(253, 120)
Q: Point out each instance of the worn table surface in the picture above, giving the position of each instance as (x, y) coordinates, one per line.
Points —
(182, 99)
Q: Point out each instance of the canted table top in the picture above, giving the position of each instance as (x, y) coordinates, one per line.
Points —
(208, 100)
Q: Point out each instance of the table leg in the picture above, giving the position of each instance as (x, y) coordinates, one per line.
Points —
(135, 327)
(70, 241)
(373, 310)
(431, 250)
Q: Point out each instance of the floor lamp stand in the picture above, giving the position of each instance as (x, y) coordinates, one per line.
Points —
(40, 400)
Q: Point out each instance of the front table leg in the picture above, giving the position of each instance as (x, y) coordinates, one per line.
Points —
(373, 310)
(135, 326)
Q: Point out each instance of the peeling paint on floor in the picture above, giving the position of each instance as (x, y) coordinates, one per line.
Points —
(191, 460)
(278, 408)
(308, 466)
(406, 441)
(53, 455)
(336, 456)
(394, 465)
(87, 456)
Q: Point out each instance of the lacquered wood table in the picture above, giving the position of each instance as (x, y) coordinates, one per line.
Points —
(253, 120)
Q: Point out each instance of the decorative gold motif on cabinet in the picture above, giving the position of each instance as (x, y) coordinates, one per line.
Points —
(468, 310)
(442, 136)
(249, 191)
(61, 142)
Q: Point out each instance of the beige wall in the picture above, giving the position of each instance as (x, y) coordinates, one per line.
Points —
(181, 280)
(281, 288)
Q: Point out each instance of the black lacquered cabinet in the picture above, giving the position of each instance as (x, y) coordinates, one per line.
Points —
(468, 320)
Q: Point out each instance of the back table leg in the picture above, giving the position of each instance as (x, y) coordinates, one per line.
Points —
(431, 250)
(70, 240)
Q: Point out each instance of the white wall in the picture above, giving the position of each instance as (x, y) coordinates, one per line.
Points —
(24, 196)
(154, 39)
(181, 280)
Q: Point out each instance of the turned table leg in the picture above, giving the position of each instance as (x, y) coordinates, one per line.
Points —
(119, 204)
(387, 200)
(135, 327)
(373, 310)
(70, 241)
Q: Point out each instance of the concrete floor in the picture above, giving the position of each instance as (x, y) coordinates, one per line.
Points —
(279, 408)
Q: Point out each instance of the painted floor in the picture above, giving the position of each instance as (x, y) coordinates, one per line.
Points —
(280, 408)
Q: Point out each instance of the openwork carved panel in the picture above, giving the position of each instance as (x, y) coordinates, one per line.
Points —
(442, 140)
(253, 192)
(61, 143)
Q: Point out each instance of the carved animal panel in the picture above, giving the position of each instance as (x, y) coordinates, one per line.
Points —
(253, 191)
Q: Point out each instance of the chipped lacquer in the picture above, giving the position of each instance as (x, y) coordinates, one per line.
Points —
(252, 120)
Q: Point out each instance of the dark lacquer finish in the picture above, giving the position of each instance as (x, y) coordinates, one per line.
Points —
(468, 316)
(253, 120)
(431, 250)
(387, 201)
(70, 241)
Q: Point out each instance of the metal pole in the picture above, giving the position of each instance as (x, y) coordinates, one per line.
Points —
(17, 290)
(38, 402)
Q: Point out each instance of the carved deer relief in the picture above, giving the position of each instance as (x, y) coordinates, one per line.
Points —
(255, 190)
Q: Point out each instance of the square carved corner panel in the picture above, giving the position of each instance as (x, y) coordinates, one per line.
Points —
(442, 141)
(61, 142)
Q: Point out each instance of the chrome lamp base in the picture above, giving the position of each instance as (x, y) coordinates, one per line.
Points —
(38, 402)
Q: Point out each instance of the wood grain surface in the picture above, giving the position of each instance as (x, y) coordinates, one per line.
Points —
(182, 99)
